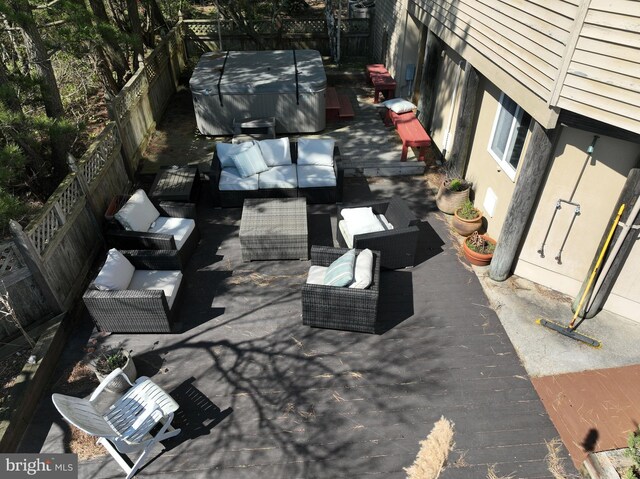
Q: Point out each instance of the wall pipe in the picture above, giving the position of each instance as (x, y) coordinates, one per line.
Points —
(630, 191)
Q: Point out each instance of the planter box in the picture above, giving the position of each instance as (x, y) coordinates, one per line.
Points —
(31, 383)
(605, 465)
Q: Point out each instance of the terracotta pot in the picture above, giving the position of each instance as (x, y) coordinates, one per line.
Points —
(119, 384)
(466, 227)
(449, 201)
(478, 259)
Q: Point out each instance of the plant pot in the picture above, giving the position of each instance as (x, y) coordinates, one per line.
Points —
(465, 227)
(478, 259)
(119, 384)
(449, 201)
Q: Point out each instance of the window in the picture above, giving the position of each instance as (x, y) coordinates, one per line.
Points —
(507, 137)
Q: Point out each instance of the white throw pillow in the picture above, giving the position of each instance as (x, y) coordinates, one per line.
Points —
(116, 273)
(398, 105)
(138, 213)
(276, 152)
(226, 151)
(312, 151)
(249, 161)
(363, 271)
(361, 221)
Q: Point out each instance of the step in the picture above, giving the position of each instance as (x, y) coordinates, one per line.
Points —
(346, 111)
(332, 104)
(373, 168)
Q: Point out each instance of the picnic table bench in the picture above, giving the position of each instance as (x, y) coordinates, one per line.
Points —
(412, 134)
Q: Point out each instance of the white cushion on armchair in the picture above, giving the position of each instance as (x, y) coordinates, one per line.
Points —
(116, 273)
(168, 281)
(179, 228)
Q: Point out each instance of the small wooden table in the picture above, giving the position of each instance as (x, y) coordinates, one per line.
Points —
(385, 84)
(274, 228)
(176, 183)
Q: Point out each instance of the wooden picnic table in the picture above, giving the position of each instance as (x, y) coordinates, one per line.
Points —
(385, 84)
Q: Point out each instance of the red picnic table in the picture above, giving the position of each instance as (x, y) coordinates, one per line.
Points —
(385, 84)
(375, 69)
(412, 134)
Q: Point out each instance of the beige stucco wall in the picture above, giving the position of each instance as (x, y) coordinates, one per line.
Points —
(408, 54)
(483, 171)
(597, 195)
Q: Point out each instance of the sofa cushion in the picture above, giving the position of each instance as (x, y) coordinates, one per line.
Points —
(168, 281)
(249, 161)
(116, 273)
(316, 274)
(276, 152)
(344, 232)
(137, 213)
(312, 151)
(278, 177)
(226, 151)
(340, 272)
(314, 176)
(230, 180)
(363, 270)
(179, 228)
(398, 105)
(361, 220)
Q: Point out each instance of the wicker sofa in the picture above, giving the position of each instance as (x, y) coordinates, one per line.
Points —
(137, 310)
(397, 245)
(340, 307)
(314, 195)
(122, 239)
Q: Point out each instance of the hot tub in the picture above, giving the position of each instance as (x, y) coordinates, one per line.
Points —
(286, 84)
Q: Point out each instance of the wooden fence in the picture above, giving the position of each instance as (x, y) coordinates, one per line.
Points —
(45, 268)
(202, 36)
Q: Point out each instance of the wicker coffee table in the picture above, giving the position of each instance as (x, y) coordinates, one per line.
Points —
(274, 228)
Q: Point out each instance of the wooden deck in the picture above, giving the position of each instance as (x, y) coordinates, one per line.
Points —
(264, 396)
(593, 410)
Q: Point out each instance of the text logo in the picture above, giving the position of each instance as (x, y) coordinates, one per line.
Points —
(47, 466)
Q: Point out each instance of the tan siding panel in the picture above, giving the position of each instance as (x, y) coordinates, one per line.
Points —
(603, 62)
(629, 97)
(616, 79)
(618, 36)
(535, 68)
(599, 114)
(613, 21)
(625, 7)
(605, 48)
(560, 7)
(604, 104)
(544, 26)
(530, 9)
(531, 41)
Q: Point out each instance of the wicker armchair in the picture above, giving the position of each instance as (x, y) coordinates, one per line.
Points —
(137, 310)
(397, 246)
(340, 307)
(121, 239)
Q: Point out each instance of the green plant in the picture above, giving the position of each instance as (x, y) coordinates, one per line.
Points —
(467, 211)
(633, 453)
(478, 244)
(456, 184)
(111, 359)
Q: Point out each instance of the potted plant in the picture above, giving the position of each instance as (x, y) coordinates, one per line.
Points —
(478, 249)
(452, 194)
(467, 219)
(108, 360)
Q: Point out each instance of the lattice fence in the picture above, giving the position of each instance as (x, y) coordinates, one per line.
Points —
(94, 160)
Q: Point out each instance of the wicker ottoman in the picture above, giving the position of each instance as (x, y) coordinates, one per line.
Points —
(274, 228)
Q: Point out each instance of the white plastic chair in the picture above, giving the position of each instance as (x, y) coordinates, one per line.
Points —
(127, 423)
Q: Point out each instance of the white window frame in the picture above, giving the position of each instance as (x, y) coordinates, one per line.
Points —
(504, 161)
